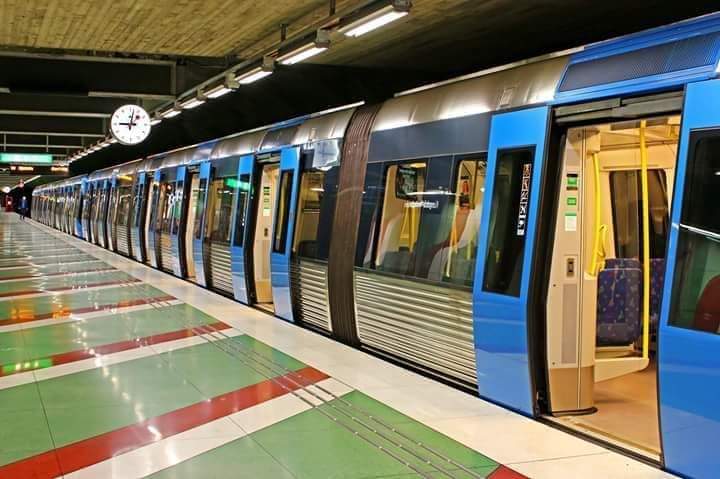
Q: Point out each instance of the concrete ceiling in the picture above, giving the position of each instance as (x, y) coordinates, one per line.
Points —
(66, 65)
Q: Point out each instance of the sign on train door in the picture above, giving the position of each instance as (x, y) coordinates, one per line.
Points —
(507, 241)
(240, 232)
(689, 340)
(283, 228)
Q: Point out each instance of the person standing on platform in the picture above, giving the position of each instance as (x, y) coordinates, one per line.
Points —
(23, 207)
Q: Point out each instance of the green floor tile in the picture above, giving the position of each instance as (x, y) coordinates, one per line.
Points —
(27, 307)
(239, 459)
(50, 282)
(54, 268)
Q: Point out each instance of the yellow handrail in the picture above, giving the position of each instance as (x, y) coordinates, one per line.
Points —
(646, 240)
(598, 252)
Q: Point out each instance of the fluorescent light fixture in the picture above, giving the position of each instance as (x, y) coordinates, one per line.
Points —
(171, 112)
(224, 88)
(396, 10)
(257, 73)
(155, 119)
(193, 102)
(112, 140)
(319, 45)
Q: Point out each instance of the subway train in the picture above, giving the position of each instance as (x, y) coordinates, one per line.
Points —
(543, 233)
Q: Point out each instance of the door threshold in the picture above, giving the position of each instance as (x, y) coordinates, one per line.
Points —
(266, 307)
(606, 439)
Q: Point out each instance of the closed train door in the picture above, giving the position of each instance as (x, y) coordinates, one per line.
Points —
(500, 295)
(282, 233)
(140, 202)
(242, 207)
(689, 384)
(178, 221)
(198, 226)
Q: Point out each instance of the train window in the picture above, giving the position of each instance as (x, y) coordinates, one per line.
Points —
(202, 192)
(283, 212)
(316, 207)
(696, 285)
(221, 195)
(625, 187)
(400, 226)
(508, 221)
(243, 191)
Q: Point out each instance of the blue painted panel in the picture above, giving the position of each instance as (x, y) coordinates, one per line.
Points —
(500, 321)
(689, 369)
(240, 280)
(176, 239)
(200, 215)
(280, 261)
(656, 59)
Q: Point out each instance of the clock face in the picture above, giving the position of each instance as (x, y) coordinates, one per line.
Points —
(130, 124)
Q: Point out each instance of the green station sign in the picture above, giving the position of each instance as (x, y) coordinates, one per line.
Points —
(27, 158)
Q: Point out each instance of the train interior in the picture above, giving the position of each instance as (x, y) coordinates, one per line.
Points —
(606, 279)
(269, 174)
(192, 215)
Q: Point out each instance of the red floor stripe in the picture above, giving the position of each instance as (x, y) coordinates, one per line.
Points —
(59, 273)
(64, 313)
(79, 355)
(25, 292)
(504, 472)
(81, 454)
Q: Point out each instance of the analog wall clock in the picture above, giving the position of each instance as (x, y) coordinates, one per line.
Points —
(130, 124)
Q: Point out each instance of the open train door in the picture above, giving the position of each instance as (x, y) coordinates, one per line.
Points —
(282, 232)
(689, 344)
(140, 194)
(239, 233)
(507, 240)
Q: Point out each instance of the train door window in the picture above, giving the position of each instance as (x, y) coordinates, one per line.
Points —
(508, 221)
(200, 207)
(316, 207)
(625, 187)
(283, 212)
(243, 192)
(696, 285)
(221, 193)
(400, 224)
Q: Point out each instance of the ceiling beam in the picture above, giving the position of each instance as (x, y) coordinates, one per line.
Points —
(49, 133)
(139, 95)
(63, 114)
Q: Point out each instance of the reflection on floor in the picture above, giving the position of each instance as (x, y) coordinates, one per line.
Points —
(627, 412)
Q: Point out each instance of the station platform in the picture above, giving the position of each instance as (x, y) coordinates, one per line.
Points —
(111, 369)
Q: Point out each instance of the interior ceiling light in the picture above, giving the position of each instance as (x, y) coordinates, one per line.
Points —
(193, 102)
(257, 73)
(319, 45)
(379, 18)
(225, 87)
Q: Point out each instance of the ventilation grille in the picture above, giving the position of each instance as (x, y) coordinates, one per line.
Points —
(694, 52)
(426, 325)
(166, 255)
(122, 240)
(220, 268)
(310, 293)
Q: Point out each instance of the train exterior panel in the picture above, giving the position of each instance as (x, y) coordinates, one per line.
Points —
(541, 233)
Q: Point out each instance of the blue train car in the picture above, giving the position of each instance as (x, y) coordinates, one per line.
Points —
(542, 233)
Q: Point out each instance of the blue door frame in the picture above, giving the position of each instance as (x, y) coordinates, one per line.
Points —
(177, 239)
(200, 214)
(246, 166)
(138, 227)
(280, 255)
(500, 322)
(689, 363)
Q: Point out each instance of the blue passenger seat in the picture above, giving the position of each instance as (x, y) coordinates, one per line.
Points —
(618, 308)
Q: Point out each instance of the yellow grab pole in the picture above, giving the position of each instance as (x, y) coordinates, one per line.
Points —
(646, 240)
(597, 240)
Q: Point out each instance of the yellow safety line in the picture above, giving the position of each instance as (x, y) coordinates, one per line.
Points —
(646, 240)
